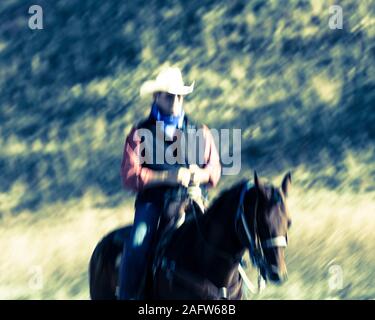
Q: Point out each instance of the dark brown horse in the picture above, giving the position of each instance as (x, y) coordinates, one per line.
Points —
(200, 259)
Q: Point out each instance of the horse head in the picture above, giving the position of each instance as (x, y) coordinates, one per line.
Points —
(262, 224)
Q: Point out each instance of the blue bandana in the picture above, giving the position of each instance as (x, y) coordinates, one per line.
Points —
(171, 122)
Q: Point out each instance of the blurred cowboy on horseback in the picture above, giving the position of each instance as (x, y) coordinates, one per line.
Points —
(153, 179)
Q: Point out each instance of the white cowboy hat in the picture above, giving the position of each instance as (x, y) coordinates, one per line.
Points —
(168, 80)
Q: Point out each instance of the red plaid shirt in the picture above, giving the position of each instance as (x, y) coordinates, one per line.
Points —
(135, 176)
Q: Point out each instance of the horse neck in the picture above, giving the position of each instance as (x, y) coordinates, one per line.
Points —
(219, 227)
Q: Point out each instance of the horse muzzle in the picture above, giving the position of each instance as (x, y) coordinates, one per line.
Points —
(276, 275)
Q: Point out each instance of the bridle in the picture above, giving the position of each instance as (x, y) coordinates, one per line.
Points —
(253, 241)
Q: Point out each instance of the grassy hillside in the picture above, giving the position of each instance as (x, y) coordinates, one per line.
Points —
(302, 94)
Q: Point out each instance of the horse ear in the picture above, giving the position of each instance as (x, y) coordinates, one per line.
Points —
(286, 184)
(258, 183)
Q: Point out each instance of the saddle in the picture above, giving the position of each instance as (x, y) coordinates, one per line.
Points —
(176, 213)
(178, 209)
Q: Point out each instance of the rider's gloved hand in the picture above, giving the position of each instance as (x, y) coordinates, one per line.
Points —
(198, 175)
(183, 176)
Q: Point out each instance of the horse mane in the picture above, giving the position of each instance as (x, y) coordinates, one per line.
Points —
(226, 198)
(230, 196)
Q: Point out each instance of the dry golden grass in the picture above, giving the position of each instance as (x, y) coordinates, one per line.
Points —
(46, 255)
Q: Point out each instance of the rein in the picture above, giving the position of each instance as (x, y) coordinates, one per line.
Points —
(204, 287)
(255, 244)
(221, 253)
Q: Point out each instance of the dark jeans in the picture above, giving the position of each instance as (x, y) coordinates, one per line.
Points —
(137, 251)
